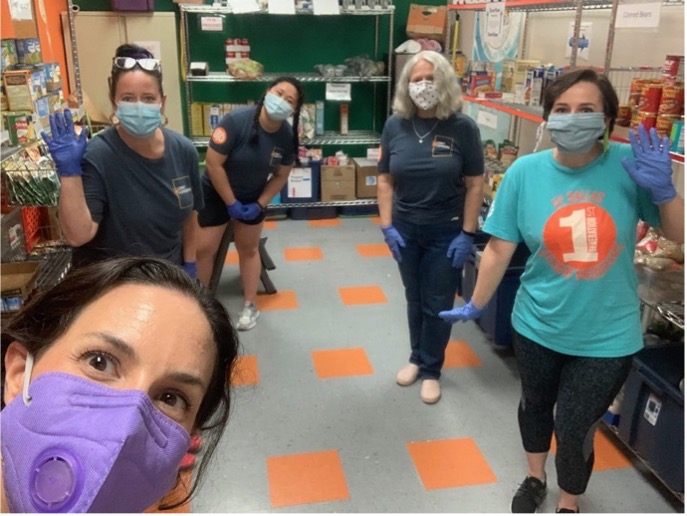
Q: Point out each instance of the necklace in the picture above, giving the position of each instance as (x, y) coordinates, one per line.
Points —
(421, 137)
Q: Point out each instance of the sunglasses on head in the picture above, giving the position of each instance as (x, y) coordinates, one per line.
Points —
(127, 63)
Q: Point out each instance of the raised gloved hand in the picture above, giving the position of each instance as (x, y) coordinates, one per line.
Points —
(394, 240)
(236, 210)
(652, 167)
(251, 211)
(460, 248)
(66, 148)
(467, 312)
(190, 269)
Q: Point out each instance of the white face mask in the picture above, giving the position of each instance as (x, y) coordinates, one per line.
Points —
(423, 94)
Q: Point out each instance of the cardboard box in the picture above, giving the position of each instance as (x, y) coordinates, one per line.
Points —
(197, 126)
(427, 21)
(365, 178)
(302, 185)
(343, 109)
(18, 281)
(18, 89)
(338, 183)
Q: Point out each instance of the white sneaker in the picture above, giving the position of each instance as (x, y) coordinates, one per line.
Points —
(248, 318)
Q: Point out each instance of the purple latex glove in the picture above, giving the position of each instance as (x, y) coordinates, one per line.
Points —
(236, 210)
(652, 167)
(468, 312)
(190, 269)
(460, 248)
(66, 148)
(394, 240)
(251, 211)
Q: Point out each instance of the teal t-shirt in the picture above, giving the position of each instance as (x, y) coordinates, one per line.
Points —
(578, 293)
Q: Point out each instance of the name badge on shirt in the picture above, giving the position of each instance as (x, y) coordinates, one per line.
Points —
(182, 189)
(442, 146)
(276, 156)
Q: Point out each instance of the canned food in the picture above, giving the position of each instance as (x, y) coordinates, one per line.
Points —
(648, 120)
(650, 98)
(672, 100)
(636, 90)
(664, 123)
(672, 66)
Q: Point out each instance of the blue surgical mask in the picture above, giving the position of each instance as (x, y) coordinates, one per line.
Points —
(139, 118)
(576, 133)
(277, 108)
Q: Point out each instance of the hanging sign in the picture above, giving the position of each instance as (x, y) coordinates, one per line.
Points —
(487, 119)
(495, 15)
(337, 91)
(638, 15)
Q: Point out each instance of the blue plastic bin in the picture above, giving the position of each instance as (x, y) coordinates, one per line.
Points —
(652, 414)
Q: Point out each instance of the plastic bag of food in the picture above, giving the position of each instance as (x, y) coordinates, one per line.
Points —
(245, 69)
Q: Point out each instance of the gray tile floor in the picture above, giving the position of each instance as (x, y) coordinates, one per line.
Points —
(369, 419)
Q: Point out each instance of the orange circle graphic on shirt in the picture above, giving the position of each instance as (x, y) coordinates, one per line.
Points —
(219, 135)
(580, 235)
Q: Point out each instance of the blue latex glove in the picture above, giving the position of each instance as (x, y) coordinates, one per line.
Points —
(652, 167)
(251, 211)
(394, 240)
(468, 312)
(190, 269)
(65, 147)
(235, 210)
(460, 248)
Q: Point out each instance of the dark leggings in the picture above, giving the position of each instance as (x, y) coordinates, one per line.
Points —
(582, 389)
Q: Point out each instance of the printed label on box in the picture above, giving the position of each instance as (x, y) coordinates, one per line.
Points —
(652, 409)
(300, 183)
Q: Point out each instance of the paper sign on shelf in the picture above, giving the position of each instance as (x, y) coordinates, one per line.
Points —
(325, 7)
(212, 23)
(638, 15)
(495, 15)
(20, 10)
(338, 92)
(281, 7)
(487, 119)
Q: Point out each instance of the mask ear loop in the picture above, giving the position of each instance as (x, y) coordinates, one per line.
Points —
(27, 378)
(539, 135)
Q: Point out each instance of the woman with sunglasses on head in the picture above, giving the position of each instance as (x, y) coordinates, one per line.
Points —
(135, 189)
(576, 317)
(251, 154)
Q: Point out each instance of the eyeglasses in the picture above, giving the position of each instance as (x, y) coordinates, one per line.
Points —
(127, 63)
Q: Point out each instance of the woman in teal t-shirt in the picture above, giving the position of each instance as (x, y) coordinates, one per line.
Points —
(576, 316)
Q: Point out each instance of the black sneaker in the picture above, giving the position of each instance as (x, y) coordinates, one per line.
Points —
(529, 496)
(560, 510)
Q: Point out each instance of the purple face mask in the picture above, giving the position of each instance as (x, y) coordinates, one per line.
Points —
(79, 446)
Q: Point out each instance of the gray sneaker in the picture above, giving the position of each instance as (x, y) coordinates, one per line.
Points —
(248, 318)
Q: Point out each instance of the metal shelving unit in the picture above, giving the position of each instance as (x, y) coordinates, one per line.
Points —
(355, 137)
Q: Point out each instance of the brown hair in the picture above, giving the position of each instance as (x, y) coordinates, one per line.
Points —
(136, 52)
(563, 82)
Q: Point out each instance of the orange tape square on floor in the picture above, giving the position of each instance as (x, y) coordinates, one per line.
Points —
(450, 463)
(324, 223)
(332, 363)
(459, 354)
(607, 454)
(269, 224)
(306, 478)
(362, 295)
(296, 254)
(373, 250)
(284, 300)
(376, 220)
(232, 258)
(246, 371)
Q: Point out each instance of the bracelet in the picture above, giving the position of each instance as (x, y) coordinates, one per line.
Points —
(470, 234)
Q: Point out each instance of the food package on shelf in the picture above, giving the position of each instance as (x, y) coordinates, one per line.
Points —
(508, 152)
(306, 121)
(245, 69)
(658, 253)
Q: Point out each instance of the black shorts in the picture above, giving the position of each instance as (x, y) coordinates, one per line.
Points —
(215, 213)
